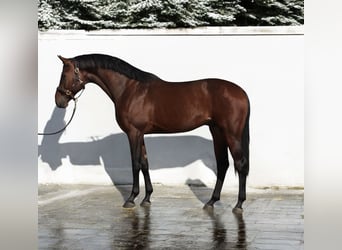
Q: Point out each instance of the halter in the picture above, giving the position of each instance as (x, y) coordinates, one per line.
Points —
(70, 94)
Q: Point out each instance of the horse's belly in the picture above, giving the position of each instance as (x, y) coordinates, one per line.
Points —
(180, 122)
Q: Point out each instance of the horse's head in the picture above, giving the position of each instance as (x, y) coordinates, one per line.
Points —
(70, 83)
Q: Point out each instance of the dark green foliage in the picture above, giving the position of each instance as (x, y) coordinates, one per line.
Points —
(114, 14)
(271, 12)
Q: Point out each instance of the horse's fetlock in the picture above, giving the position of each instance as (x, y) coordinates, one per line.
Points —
(215, 198)
(135, 192)
(148, 190)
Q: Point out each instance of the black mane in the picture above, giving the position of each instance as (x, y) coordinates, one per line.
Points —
(113, 63)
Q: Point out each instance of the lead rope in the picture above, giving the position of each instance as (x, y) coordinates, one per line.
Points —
(72, 116)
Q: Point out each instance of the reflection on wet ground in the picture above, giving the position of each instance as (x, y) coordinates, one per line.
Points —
(92, 217)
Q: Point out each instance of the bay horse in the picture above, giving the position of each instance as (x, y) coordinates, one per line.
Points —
(146, 104)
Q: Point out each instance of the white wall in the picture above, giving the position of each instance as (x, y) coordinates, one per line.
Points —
(267, 62)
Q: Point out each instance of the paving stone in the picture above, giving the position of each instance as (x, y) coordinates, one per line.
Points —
(92, 217)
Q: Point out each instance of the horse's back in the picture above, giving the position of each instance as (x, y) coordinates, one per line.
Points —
(207, 94)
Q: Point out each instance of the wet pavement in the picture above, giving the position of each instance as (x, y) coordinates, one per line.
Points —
(92, 217)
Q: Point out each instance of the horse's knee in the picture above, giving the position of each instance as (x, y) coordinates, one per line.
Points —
(144, 168)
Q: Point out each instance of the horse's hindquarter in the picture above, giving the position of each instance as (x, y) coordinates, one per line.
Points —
(230, 105)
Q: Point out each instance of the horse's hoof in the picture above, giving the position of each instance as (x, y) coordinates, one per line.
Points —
(129, 204)
(208, 207)
(145, 204)
(237, 210)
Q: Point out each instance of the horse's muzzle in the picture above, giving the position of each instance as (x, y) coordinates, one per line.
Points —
(61, 100)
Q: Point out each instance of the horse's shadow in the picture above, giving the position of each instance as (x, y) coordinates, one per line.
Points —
(163, 151)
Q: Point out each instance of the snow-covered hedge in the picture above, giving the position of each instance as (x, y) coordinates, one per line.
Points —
(116, 14)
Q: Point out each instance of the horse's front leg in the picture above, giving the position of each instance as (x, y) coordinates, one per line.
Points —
(139, 162)
(135, 142)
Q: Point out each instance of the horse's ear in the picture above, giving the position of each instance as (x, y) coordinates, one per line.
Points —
(64, 60)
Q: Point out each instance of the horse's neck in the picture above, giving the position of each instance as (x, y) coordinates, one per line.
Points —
(111, 82)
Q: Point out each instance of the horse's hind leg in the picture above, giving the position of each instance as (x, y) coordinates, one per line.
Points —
(221, 154)
(241, 164)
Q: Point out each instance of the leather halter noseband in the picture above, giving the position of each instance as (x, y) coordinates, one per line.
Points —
(68, 92)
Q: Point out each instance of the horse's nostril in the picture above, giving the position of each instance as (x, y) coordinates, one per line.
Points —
(60, 103)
